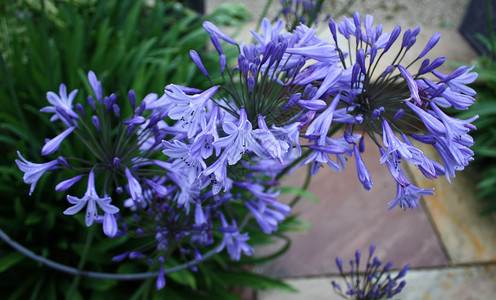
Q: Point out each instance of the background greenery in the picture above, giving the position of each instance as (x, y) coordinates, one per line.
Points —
(128, 44)
(485, 107)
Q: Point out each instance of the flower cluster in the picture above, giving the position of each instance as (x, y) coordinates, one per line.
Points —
(182, 166)
(375, 282)
(302, 85)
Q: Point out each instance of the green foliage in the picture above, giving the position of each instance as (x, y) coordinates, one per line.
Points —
(128, 45)
(485, 107)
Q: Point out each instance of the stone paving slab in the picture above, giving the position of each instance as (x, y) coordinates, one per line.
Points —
(349, 218)
(456, 214)
(458, 283)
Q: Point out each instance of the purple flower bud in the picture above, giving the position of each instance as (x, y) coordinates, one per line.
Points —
(136, 120)
(388, 70)
(117, 162)
(216, 43)
(61, 160)
(371, 250)
(343, 30)
(355, 74)
(339, 263)
(268, 51)
(293, 99)
(358, 34)
(392, 38)
(134, 187)
(361, 145)
(117, 110)
(118, 190)
(361, 60)
(141, 108)
(251, 83)
(357, 19)
(161, 278)
(197, 60)
(132, 98)
(357, 257)
(312, 104)
(120, 257)
(406, 38)
(109, 225)
(388, 266)
(111, 101)
(66, 184)
(222, 61)
(96, 86)
(424, 64)
(432, 42)
(136, 255)
(332, 28)
(96, 122)
(412, 85)
(403, 271)
(91, 102)
(80, 109)
(461, 70)
(399, 114)
(373, 53)
(130, 130)
(54, 144)
(198, 256)
(363, 175)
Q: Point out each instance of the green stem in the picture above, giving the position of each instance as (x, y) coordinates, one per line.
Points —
(314, 13)
(82, 262)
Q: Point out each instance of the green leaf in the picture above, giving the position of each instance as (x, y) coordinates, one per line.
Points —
(98, 284)
(252, 280)
(183, 277)
(299, 192)
(10, 260)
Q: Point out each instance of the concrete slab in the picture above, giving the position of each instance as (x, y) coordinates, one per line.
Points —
(459, 283)
(466, 235)
(349, 218)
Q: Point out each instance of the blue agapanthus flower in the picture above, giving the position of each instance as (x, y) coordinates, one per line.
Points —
(183, 165)
(375, 282)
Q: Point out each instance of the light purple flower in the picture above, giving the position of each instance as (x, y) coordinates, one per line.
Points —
(234, 241)
(240, 139)
(189, 109)
(33, 171)
(62, 105)
(90, 200)
(214, 30)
